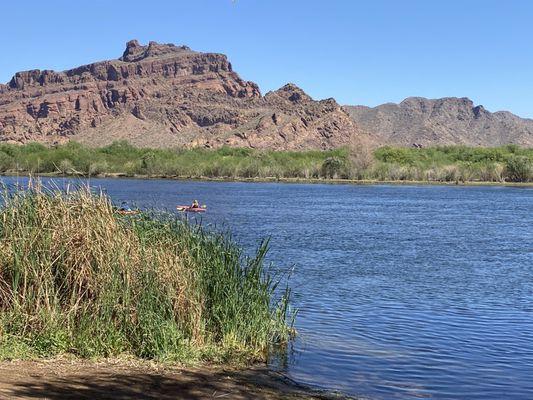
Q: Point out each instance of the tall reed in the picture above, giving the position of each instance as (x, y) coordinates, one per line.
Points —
(75, 277)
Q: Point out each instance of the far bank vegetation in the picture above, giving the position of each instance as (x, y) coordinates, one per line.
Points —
(509, 163)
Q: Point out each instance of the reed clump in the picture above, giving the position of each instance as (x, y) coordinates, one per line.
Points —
(77, 278)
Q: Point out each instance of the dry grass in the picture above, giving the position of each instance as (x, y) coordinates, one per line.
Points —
(77, 278)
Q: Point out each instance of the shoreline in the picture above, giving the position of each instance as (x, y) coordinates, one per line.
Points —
(330, 181)
(119, 379)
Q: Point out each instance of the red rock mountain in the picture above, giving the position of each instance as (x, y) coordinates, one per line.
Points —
(162, 95)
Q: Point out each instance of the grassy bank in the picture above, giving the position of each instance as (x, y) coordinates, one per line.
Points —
(435, 164)
(77, 278)
(454, 164)
(120, 157)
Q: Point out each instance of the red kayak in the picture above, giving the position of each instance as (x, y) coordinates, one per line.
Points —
(191, 209)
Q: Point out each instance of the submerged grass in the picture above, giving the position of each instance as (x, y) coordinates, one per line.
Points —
(76, 278)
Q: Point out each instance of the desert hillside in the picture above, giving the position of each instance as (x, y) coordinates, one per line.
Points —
(445, 121)
(162, 95)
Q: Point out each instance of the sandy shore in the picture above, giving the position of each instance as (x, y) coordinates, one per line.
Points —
(120, 380)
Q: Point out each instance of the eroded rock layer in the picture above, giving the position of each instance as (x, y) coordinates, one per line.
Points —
(162, 95)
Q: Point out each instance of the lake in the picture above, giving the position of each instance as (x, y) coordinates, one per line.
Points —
(402, 291)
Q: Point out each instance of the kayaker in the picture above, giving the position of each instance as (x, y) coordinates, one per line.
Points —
(195, 204)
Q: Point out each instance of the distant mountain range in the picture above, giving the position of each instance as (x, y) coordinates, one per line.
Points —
(162, 95)
(449, 120)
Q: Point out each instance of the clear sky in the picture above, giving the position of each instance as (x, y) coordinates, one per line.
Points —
(360, 52)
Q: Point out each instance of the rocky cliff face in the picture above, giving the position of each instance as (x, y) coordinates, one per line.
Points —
(443, 121)
(163, 95)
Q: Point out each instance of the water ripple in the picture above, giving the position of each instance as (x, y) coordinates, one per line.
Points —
(404, 292)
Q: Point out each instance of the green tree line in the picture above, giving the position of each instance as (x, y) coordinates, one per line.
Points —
(438, 164)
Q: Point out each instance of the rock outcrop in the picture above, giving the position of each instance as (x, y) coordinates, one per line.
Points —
(445, 121)
(163, 95)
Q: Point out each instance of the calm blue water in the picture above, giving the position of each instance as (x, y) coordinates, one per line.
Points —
(403, 291)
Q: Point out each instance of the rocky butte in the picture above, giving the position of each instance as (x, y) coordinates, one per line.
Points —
(162, 95)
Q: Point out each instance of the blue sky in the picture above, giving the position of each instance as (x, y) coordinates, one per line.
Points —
(360, 52)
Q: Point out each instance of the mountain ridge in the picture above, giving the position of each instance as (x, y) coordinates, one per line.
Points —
(442, 121)
(164, 95)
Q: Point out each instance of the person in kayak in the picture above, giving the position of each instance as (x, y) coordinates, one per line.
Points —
(125, 207)
(195, 204)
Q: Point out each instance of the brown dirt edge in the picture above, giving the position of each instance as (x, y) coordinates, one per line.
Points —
(121, 380)
(276, 180)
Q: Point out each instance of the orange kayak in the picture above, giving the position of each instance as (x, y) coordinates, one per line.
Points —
(191, 209)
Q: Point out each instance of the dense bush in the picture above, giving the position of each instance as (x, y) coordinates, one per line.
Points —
(519, 169)
(455, 163)
(332, 167)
